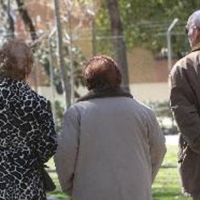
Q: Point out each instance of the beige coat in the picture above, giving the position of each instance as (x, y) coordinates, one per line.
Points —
(185, 104)
(109, 149)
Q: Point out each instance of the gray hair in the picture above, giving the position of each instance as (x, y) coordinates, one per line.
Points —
(194, 19)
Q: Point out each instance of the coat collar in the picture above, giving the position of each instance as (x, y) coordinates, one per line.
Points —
(116, 92)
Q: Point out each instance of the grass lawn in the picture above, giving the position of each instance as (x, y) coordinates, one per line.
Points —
(165, 187)
(167, 183)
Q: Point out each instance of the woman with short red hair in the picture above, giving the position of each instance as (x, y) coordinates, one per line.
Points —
(110, 147)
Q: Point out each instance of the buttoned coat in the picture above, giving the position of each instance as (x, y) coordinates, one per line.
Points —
(185, 103)
(109, 148)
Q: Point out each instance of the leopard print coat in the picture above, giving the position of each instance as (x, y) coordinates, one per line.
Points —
(27, 138)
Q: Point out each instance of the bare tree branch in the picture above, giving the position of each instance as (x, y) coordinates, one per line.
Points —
(10, 20)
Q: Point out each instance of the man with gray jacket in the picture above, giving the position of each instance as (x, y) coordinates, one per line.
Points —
(111, 146)
(185, 103)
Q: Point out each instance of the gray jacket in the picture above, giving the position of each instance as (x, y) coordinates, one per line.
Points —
(109, 148)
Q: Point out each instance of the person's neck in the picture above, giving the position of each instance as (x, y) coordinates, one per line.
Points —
(196, 46)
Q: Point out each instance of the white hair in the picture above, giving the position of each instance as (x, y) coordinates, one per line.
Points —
(194, 19)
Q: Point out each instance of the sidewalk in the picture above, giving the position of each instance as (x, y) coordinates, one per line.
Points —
(171, 139)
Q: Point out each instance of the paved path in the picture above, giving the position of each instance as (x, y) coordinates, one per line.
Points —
(171, 139)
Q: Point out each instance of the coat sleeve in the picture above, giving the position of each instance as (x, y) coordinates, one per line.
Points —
(184, 102)
(47, 140)
(156, 144)
(66, 155)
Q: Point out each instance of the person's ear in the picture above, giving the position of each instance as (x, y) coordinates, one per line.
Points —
(198, 34)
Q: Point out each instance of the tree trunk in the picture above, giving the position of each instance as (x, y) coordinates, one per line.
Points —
(118, 40)
(66, 82)
(29, 24)
(26, 19)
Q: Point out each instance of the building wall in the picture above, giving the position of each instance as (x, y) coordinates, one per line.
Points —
(144, 92)
(150, 92)
(144, 67)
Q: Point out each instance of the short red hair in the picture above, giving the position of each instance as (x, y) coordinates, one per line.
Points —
(102, 72)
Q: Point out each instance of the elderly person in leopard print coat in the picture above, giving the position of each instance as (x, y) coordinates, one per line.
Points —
(27, 134)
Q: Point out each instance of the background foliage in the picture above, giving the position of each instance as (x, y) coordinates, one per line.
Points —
(145, 22)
